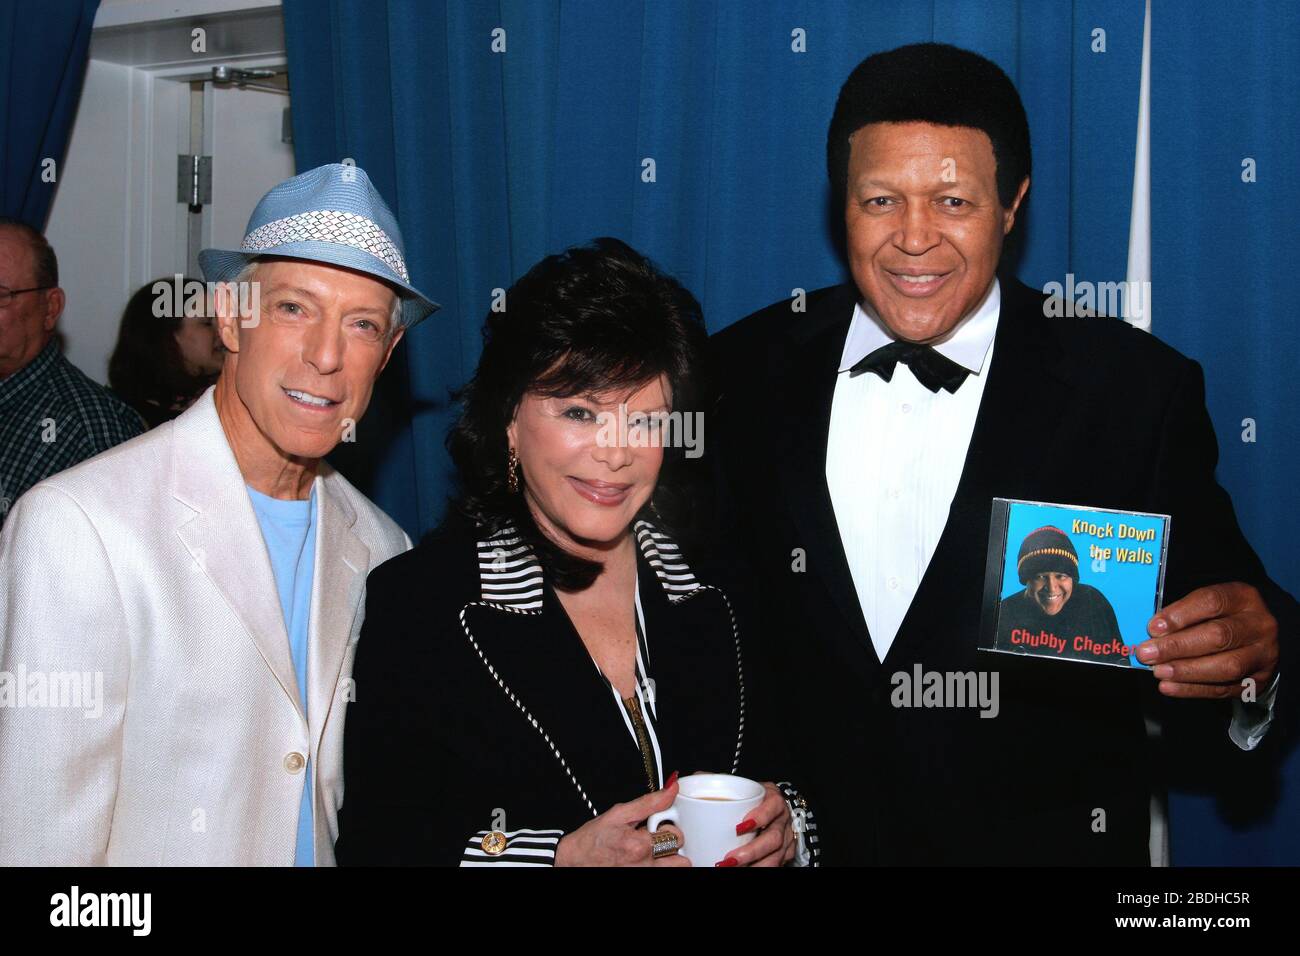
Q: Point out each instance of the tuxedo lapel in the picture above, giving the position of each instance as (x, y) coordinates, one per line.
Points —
(806, 367)
(1009, 457)
(223, 535)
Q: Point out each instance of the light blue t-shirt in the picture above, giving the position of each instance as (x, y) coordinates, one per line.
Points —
(289, 530)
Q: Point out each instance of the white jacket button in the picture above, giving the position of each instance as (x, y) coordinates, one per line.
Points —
(294, 762)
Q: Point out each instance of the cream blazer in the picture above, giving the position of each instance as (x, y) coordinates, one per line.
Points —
(149, 712)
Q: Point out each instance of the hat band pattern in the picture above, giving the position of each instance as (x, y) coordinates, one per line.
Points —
(1058, 551)
(327, 225)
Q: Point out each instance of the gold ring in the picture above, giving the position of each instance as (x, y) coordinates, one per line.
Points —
(665, 843)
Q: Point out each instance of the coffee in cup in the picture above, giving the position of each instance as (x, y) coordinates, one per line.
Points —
(707, 810)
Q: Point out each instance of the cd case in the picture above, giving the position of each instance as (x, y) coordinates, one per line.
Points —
(1070, 582)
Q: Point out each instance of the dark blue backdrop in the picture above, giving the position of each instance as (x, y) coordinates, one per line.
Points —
(492, 159)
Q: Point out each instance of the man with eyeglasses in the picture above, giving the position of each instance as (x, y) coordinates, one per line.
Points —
(52, 415)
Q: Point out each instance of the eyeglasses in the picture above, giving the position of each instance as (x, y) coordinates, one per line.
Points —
(7, 295)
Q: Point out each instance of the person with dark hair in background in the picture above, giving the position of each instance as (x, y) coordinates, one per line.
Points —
(52, 415)
(161, 364)
(553, 654)
(866, 432)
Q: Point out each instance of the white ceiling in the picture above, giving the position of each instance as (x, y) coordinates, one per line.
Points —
(158, 33)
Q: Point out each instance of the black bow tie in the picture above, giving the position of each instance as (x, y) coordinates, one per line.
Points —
(931, 369)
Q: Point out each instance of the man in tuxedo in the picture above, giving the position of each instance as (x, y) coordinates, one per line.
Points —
(861, 437)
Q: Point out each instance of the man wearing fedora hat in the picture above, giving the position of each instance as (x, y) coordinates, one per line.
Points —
(179, 615)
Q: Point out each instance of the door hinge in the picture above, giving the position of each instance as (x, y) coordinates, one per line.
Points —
(194, 181)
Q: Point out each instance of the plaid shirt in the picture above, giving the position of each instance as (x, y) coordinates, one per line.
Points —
(52, 415)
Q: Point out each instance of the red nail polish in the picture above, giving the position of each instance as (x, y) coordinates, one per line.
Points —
(729, 861)
(672, 779)
(745, 826)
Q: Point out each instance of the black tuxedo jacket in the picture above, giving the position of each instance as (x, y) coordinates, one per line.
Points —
(1076, 410)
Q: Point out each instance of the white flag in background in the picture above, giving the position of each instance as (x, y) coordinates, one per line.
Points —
(1137, 298)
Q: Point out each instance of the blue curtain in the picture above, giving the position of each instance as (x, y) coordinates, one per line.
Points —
(1225, 84)
(42, 62)
(504, 130)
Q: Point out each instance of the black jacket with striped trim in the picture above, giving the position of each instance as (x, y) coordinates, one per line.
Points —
(477, 710)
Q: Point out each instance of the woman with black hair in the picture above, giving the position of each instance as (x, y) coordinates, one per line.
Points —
(161, 364)
(533, 676)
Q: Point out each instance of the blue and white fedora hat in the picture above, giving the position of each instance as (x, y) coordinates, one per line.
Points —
(331, 214)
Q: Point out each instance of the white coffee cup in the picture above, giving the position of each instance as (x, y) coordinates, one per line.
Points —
(707, 810)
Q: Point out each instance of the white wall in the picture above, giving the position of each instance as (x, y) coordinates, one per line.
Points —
(243, 132)
(115, 222)
(90, 220)
(113, 13)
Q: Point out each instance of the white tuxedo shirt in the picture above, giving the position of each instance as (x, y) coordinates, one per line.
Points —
(895, 453)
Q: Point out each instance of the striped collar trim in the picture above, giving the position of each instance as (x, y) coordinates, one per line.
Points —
(511, 576)
(509, 573)
(662, 554)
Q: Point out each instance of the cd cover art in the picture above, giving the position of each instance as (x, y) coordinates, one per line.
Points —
(1071, 582)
